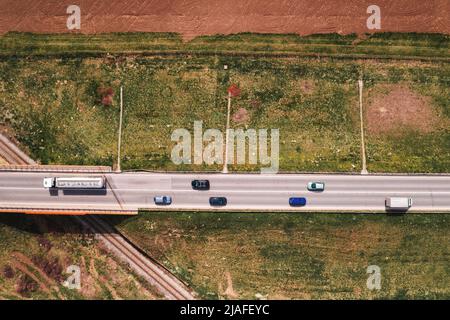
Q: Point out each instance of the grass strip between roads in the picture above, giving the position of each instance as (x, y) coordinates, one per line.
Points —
(383, 45)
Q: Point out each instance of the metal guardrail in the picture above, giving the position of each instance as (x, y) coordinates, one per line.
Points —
(349, 173)
(56, 168)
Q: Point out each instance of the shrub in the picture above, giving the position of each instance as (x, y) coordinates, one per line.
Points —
(51, 266)
(45, 243)
(106, 95)
(234, 90)
(26, 285)
(8, 272)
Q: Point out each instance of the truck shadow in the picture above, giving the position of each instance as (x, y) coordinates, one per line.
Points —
(78, 192)
(81, 192)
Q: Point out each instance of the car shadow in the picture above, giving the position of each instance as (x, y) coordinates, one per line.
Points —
(391, 212)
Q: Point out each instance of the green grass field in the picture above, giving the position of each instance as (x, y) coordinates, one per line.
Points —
(313, 104)
(304, 256)
(51, 101)
(422, 144)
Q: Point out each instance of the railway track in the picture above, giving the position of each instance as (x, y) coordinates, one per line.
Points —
(12, 154)
(158, 276)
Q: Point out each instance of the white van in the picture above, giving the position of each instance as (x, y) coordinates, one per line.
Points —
(398, 203)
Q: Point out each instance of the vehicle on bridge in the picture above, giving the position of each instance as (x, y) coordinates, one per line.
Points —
(316, 186)
(163, 200)
(297, 201)
(218, 201)
(398, 203)
(75, 182)
(200, 184)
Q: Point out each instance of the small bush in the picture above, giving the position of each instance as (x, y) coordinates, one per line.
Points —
(45, 243)
(8, 272)
(234, 90)
(106, 95)
(26, 285)
(51, 267)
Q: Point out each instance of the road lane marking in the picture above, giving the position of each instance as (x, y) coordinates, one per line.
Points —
(232, 191)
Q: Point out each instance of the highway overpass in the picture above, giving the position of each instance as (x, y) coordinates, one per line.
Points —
(128, 192)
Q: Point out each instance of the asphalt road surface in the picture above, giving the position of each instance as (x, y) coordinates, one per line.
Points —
(254, 192)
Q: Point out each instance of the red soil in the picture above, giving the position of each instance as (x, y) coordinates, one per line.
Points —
(206, 17)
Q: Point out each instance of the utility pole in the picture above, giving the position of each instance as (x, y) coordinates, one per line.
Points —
(225, 160)
(120, 130)
(363, 146)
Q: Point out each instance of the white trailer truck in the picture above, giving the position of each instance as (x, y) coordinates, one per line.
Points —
(74, 182)
(398, 203)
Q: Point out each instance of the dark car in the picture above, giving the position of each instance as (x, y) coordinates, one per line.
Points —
(218, 201)
(200, 184)
(297, 201)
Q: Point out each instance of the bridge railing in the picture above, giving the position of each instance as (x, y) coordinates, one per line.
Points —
(56, 168)
(53, 211)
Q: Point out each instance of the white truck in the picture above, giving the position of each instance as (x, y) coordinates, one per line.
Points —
(398, 203)
(75, 182)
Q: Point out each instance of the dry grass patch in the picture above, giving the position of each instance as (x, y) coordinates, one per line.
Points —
(307, 86)
(397, 108)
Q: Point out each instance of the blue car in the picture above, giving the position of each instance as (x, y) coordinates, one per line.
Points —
(163, 200)
(218, 201)
(297, 201)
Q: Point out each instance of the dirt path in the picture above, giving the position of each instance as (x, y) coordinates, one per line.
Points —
(205, 17)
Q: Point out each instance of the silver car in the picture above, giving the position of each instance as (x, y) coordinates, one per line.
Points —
(163, 200)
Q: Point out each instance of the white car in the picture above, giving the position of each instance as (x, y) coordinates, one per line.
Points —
(316, 186)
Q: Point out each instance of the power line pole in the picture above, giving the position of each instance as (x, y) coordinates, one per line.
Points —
(361, 118)
(225, 161)
(120, 130)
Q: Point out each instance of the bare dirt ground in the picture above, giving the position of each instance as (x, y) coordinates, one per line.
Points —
(192, 18)
(400, 108)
